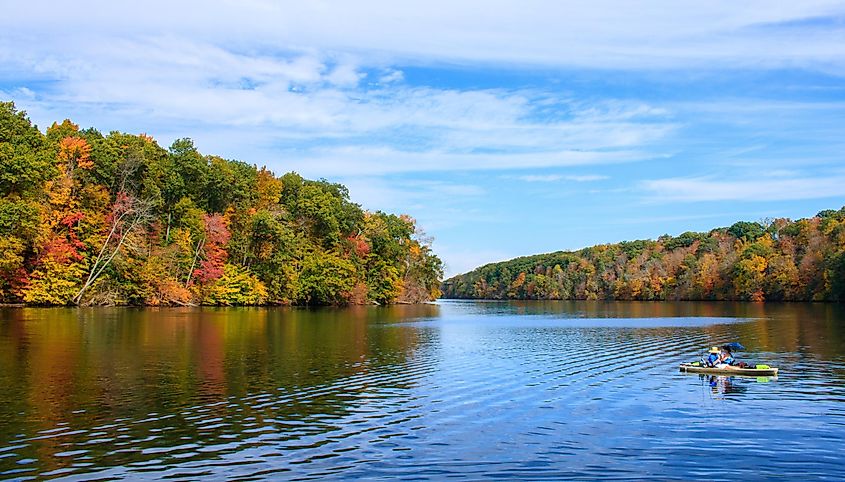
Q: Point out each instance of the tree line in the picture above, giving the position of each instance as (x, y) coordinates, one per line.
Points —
(115, 219)
(775, 260)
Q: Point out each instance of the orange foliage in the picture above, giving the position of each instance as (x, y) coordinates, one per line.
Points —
(415, 250)
(75, 151)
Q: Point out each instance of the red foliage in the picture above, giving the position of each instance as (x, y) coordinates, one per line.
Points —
(359, 245)
(216, 236)
(16, 280)
(69, 222)
(62, 250)
(123, 204)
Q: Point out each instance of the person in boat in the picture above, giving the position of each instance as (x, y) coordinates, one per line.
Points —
(727, 360)
(713, 357)
(726, 356)
(721, 357)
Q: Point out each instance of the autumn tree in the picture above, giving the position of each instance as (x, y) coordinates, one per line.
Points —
(89, 218)
(777, 259)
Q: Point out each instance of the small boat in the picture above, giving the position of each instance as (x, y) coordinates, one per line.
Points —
(755, 371)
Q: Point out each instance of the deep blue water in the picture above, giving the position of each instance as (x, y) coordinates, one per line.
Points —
(455, 390)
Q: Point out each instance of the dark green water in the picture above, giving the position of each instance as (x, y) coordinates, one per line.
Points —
(464, 390)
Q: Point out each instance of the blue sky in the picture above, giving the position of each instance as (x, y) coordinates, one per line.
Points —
(504, 128)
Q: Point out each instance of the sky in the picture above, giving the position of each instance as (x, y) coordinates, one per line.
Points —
(504, 128)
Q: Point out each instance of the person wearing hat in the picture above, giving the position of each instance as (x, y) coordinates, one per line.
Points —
(714, 356)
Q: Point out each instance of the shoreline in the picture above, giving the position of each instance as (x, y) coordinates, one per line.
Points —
(386, 305)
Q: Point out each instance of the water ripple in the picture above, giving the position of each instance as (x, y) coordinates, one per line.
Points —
(463, 396)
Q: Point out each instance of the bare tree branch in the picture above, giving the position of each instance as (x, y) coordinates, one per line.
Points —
(128, 213)
(200, 244)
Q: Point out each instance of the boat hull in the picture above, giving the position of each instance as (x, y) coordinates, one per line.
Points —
(730, 372)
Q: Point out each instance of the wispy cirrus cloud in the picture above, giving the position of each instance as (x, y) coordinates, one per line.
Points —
(752, 190)
(586, 178)
(317, 114)
(540, 178)
(376, 161)
(560, 177)
(599, 34)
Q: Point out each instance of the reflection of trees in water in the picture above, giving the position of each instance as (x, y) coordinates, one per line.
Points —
(83, 368)
(628, 309)
(815, 329)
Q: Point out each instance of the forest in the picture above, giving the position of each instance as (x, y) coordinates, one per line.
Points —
(774, 260)
(93, 219)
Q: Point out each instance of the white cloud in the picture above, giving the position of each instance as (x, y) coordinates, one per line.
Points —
(540, 178)
(309, 112)
(763, 189)
(376, 193)
(605, 33)
(375, 161)
(559, 177)
(391, 76)
(586, 178)
(345, 75)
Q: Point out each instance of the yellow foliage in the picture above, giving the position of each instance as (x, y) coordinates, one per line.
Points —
(61, 199)
(159, 286)
(750, 275)
(11, 253)
(182, 238)
(237, 286)
(435, 292)
(269, 189)
(53, 283)
(636, 288)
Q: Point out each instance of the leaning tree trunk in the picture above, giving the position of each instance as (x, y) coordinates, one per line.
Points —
(128, 213)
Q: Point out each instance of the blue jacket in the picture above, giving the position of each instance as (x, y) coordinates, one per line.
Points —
(712, 359)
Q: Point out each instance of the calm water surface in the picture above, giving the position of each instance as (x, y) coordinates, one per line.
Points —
(455, 390)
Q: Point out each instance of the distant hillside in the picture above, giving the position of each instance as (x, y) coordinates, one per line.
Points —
(779, 260)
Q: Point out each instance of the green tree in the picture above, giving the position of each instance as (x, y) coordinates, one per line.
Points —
(747, 231)
(26, 161)
(326, 279)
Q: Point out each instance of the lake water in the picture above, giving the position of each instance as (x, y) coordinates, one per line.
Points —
(454, 390)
